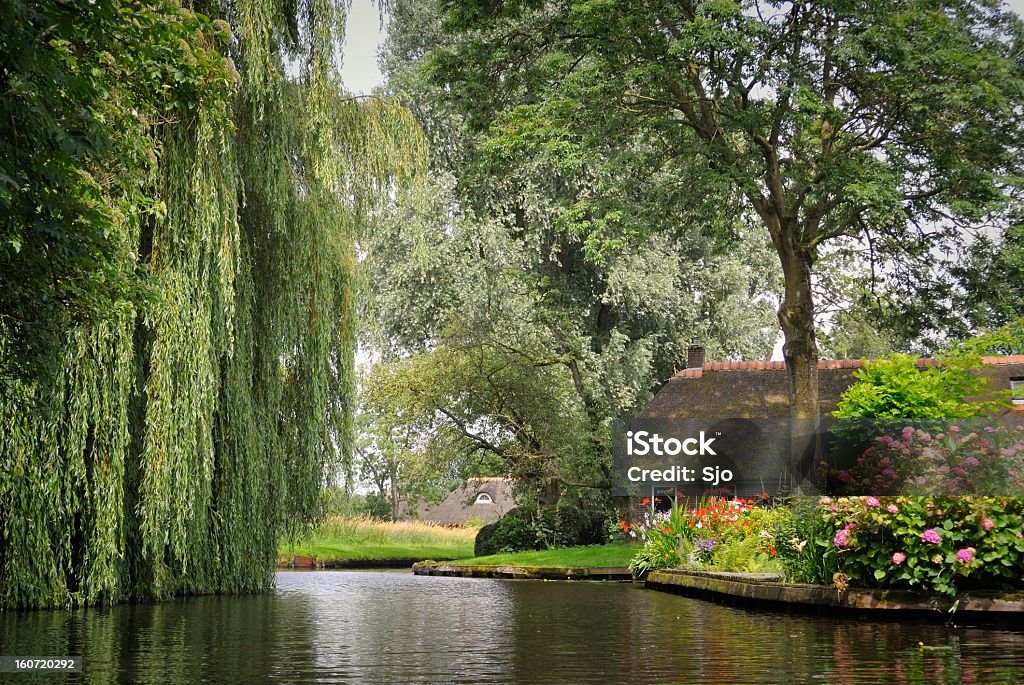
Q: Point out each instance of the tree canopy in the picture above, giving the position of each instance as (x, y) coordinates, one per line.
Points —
(502, 332)
(896, 127)
(181, 191)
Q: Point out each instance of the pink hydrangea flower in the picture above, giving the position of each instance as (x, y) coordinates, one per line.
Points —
(988, 524)
(840, 539)
(871, 501)
(965, 555)
(932, 536)
(898, 558)
(892, 509)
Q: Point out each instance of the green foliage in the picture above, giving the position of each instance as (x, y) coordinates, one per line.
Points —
(824, 124)
(525, 528)
(940, 544)
(744, 556)
(83, 87)
(505, 338)
(1008, 339)
(805, 543)
(177, 333)
(376, 507)
(651, 558)
(511, 533)
(897, 388)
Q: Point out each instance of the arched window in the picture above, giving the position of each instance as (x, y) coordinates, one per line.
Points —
(483, 498)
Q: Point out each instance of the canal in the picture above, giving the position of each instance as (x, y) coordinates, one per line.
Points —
(393, 627)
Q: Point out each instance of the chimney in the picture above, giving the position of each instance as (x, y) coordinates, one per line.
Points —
(695, 355)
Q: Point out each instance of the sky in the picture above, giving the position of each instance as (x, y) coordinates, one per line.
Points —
(363, 36)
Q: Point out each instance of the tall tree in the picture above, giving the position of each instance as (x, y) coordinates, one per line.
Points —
(183, 210)
(895, 124)
(504, 333)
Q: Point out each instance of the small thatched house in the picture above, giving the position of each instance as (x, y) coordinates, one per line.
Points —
(746, 405)
(485, 498)
(760, 389)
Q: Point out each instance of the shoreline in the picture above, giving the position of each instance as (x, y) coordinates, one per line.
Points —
(305, 563)
(595, 573)
(769, 591)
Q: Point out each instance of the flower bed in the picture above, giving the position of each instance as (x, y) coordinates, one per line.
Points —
(936, 544)
(974, 457)
(716, 533)
(931, 544)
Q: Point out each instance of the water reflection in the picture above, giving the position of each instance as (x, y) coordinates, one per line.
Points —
(392, 627)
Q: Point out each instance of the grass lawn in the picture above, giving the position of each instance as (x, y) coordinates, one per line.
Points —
(365, 538)
(593, 556)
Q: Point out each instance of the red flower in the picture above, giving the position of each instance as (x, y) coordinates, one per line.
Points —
(647, 500)
(666, 529)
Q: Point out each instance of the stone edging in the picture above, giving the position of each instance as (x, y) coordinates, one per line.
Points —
(428, 568)
(768, 590)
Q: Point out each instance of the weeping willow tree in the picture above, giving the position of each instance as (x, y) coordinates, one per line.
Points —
(181, 411)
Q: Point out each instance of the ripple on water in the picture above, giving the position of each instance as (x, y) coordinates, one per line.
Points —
(393, 627)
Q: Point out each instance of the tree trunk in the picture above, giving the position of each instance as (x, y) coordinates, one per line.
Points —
(800, 351)
(393, 475)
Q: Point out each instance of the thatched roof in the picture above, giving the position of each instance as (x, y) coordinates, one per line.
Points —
(470, 501)
(760, 389)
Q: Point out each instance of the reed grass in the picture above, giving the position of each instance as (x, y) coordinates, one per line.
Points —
(362, 537)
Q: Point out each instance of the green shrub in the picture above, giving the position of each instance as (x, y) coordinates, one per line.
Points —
(937, 544)
(805, 543)
(897, 388)
(744, 556)
(526, 528)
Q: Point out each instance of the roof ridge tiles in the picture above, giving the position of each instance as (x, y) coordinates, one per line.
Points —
(769, 365)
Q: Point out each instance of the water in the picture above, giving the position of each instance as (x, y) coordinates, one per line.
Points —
(393, 627)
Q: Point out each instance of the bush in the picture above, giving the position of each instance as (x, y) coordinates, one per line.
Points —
(513, 532)
(483, 545)
(805, 543)
(896, 388)
(577, 526)
(937, 544)
(527, 528)
(974, 457)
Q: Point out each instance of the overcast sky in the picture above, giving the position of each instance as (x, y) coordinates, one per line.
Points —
(363, 36)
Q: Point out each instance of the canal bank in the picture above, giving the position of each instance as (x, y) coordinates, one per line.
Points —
(433, 568)
(298, 562)
(769, 591)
